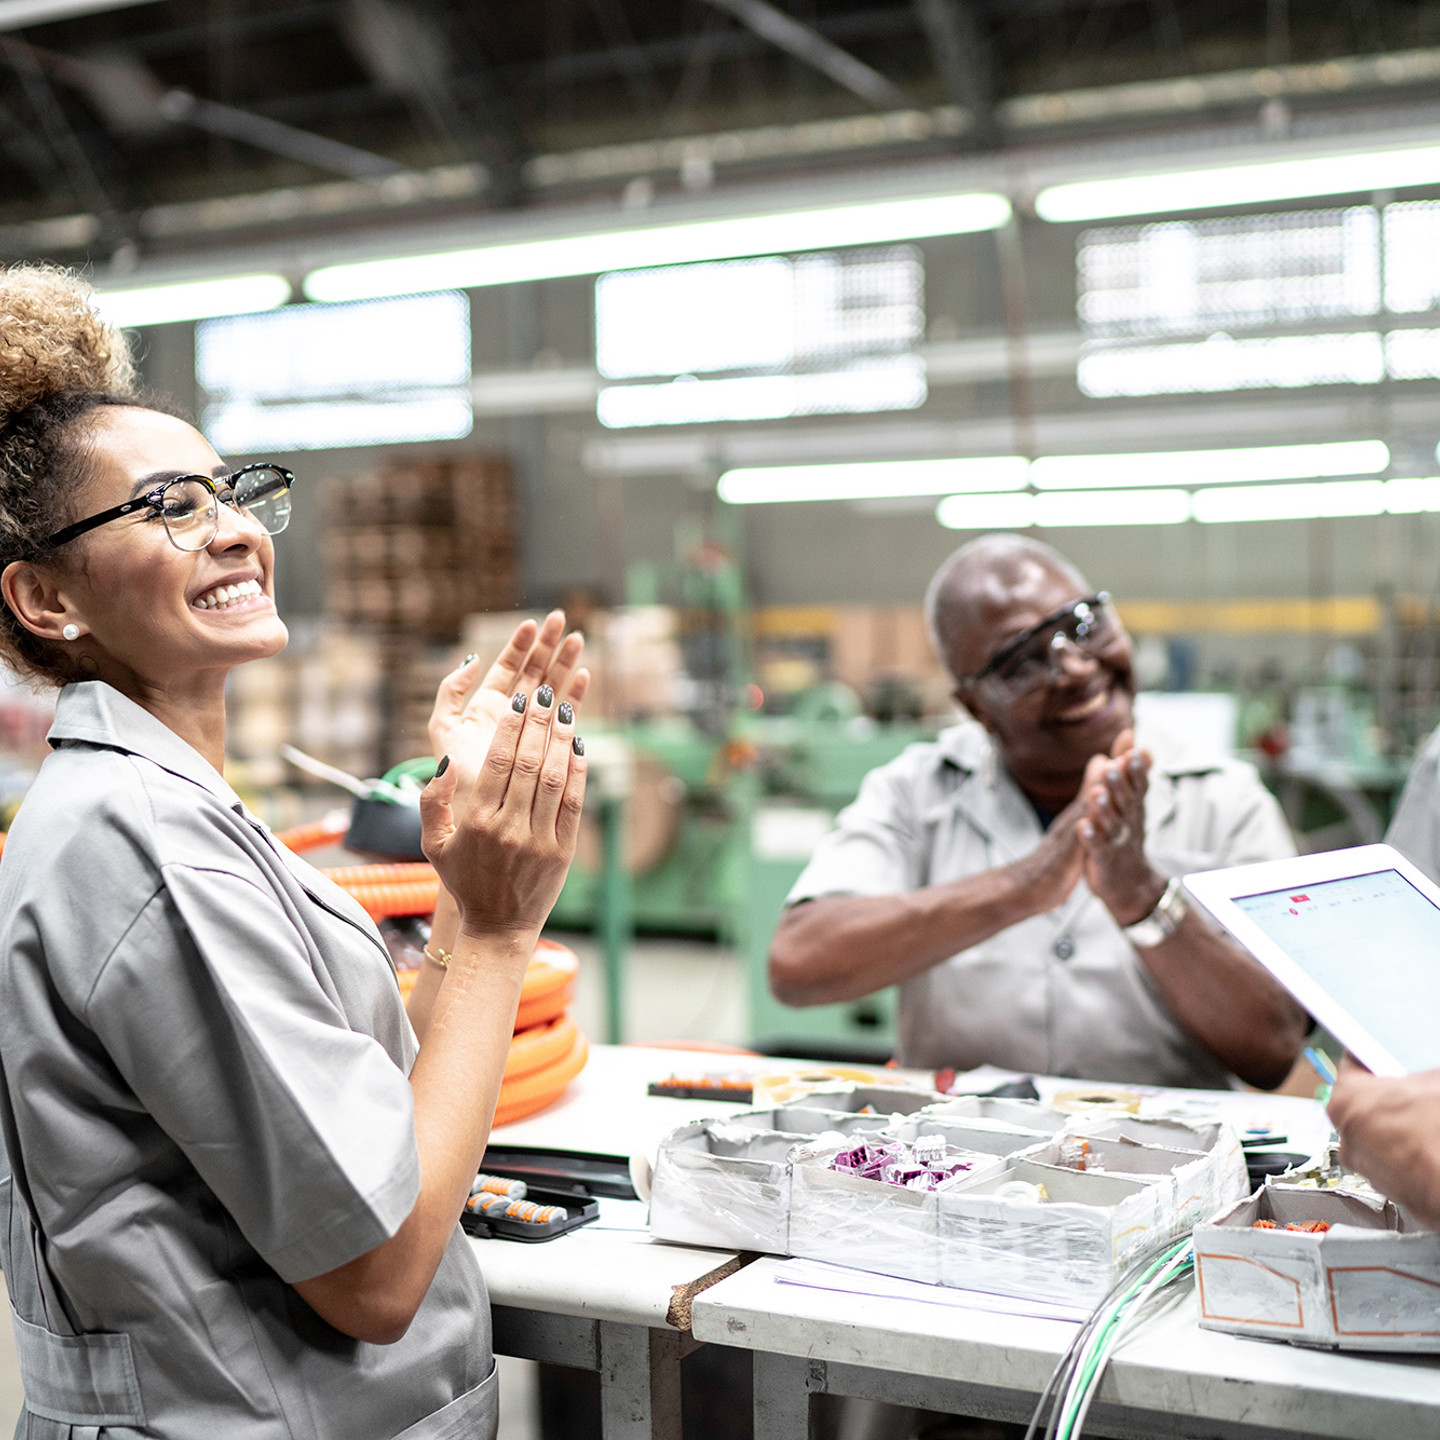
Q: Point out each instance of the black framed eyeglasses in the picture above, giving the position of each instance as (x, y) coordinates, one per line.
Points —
(189, 507)
(1032, 658)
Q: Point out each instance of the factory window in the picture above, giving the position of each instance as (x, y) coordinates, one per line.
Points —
(772, 337)
(313, 377)
(1186, 307)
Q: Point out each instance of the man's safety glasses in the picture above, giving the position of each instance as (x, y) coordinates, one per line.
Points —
(189, 507)
(1033, 657)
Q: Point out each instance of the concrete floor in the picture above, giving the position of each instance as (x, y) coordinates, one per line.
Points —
(675, 990)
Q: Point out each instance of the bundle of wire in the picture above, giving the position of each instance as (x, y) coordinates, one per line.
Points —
(1077, 1377)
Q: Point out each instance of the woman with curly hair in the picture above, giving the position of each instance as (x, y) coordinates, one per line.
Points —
(235, 1166)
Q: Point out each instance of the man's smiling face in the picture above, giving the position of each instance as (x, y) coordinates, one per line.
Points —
(1045, 733)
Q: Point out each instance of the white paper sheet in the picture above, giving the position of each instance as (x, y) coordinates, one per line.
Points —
(819, 1275)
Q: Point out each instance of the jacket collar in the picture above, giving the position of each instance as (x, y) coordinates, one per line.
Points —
(90, 712)
(983, 791)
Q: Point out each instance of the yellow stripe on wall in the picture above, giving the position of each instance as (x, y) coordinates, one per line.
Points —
(1299, 615)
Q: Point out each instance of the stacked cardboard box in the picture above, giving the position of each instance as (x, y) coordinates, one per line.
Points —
(412, 549)
(322, 693)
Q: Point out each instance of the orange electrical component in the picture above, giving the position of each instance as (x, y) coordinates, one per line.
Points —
(526, 1094)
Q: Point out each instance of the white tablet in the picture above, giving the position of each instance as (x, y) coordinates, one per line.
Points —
(1353, 935)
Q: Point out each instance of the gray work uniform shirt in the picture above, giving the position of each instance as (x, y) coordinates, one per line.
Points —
(1062, 993)
(1415, 829)
(205, 1098)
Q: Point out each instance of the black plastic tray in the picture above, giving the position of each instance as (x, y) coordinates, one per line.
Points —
(580, 1209)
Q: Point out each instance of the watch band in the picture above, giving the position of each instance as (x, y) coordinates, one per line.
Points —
(1163, 921)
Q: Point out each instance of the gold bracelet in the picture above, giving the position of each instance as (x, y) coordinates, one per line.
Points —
(438, 957)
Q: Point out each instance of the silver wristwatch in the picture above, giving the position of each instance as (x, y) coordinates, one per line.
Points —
(1163, 921)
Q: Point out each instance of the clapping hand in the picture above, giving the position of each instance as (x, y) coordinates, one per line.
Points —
(469, 705)
(503, 847)
(1112, 832)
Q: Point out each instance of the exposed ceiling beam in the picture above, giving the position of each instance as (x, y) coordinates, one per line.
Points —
(962, 57)
(19, 14)
(265, 134)
(815, 50)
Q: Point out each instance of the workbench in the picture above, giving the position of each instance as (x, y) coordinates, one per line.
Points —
(1170, 1378)
(608, 1298)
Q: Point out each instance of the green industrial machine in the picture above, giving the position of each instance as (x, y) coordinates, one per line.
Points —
(726, 804)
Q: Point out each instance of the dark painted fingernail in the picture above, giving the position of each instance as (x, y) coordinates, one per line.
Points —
(443, 766)
(518, 703)
(545, 696)
(468, 660)
(566, 713)
(578, 745)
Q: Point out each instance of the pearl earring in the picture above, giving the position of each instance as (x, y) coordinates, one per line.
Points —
(71, 632)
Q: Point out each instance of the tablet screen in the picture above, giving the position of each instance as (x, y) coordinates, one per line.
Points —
(1372, 943)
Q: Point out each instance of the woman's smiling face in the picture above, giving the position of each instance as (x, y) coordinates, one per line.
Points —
(149, 611)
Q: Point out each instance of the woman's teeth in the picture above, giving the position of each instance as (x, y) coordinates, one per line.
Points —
(223, 595)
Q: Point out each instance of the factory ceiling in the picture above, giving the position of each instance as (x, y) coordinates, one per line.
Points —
(131, 129)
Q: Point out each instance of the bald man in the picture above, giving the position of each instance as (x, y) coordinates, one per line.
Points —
(1016, 878)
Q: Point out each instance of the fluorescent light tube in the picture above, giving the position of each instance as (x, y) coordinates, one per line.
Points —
(1113, 507)
(871, 480)
(986, 512)
(1413, 497)
(635, 248)
(192, 300)
(1209, 467)
(1291, 502)
(1254, 183)
(1078, 508)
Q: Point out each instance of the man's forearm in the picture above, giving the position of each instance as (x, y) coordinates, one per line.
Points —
(1227, 1002)
(842, 947)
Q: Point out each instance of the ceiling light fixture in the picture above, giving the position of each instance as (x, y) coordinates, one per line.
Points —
(1253, 183)
(1071, 509)
(634, 248)
(1334, 498)
(872, 480)
(192, 300)
(1210, 467)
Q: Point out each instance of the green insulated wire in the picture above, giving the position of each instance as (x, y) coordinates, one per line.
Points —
(1077, 1375)
(1176, 1263)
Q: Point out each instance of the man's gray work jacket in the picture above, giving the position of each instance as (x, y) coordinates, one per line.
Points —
(1062, 993)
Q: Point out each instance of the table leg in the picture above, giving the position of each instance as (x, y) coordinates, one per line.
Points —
(782, 1395)
(639, 1382)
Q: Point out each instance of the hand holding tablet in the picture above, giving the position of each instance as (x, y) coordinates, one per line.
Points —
(1353, 935)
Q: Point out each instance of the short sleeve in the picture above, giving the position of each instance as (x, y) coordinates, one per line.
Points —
(876, 846)
(1415, 830)
(301, 1126)
(1256, 826)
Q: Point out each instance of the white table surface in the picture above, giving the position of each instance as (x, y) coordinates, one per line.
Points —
(1169, 1365)
(610, 1269)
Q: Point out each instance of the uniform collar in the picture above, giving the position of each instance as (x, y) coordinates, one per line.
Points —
(967, 747)
(90, 712)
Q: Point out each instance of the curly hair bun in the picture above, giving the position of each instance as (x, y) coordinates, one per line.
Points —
(53, 343)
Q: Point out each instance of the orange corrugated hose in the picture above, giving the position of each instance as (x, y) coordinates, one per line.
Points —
(548, 1051)
(314, 836)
